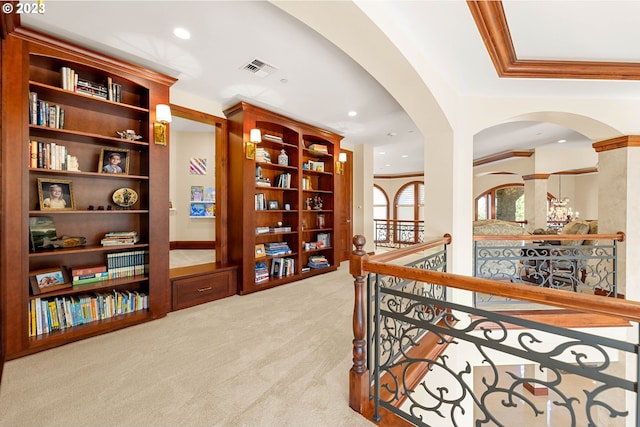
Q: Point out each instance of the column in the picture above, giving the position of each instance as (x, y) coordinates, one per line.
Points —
(535, 200)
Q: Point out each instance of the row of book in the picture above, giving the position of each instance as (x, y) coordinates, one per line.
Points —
(72, 82)
(283, 180)
(126, 264)
(277, 248)
(47, 315)
(42, 113)
(262, 272)
(282, 267)
(50, 155)
(119, 238)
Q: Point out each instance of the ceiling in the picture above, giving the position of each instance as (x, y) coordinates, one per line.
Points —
(310, 79)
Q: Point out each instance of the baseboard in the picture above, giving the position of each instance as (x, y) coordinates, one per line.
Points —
(192, 244)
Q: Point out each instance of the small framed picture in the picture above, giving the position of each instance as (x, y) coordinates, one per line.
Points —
(49, 280)
(260, 252)
(114, 160)
(55, 194)
(197, 193)
(273, 205)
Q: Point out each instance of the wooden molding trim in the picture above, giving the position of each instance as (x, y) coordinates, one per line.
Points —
(502, 156)
(536, 176)
(404, 175)
(494, 30)
(101, 60)
(615, 143)
(199, 116)
(192, 244)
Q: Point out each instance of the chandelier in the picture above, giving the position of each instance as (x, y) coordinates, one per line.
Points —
(559, 210)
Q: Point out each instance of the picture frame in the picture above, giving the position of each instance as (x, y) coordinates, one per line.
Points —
(316, 166)
(56, 194)
(109, 164)
(273, 205)
(49, 280)
(260, 251)
(197, 193)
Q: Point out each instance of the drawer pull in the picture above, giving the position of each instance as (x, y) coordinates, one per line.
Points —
(208, 288)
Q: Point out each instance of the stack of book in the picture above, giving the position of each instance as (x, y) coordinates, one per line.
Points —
(277, 248)
(270, 137)
(319, 148)
(262, 272)
(87, 275)
(318, 261)
(117, 238)
(262, 230)
(262, 155)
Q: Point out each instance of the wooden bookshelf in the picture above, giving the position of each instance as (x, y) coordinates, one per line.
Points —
(33, 63)
(290, 218)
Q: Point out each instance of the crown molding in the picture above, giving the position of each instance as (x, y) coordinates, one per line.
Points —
(619, 142)
(502, 156)
(494, 30)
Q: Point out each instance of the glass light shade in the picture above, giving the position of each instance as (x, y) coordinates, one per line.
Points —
(163, 113)
(342, 157)
(255, 136)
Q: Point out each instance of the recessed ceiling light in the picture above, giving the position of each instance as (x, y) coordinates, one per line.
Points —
(382, 152)
(284, 81)
(404, 156)
(388, 165)
(352, 113)
(181, 33)
(560, 141)
(392, 134)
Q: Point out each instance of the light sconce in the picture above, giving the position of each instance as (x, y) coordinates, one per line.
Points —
(163, 116)
(342, 158)
(255, 137)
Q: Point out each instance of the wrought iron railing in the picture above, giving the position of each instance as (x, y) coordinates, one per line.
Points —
(442, 362)
(578, 263)
(396, 233)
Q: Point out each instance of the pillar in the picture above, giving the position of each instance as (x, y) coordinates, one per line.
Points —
(535, 200)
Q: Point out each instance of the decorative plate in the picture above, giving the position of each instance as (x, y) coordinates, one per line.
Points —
(125, 197)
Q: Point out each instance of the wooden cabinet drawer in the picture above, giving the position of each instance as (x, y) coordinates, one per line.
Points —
(201, 288)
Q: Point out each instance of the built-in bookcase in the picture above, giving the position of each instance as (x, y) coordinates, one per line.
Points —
(282, 211)
(69, 149)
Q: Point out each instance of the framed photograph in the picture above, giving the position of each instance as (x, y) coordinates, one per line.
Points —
(260, 252)
(114, 160)
(316, 166)
(273, 205)
(55, 194)
(49, 280)
(42, 230)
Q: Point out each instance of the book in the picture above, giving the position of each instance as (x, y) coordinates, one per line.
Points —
(89, 278)
(83, 271)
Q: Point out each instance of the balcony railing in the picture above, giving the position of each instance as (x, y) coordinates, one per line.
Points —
(396, 233)
(579, 263)
(421, 357)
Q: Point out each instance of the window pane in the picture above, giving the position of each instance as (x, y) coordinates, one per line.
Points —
(481, 208)
(407, 197)
(379, 197)
(380, 212)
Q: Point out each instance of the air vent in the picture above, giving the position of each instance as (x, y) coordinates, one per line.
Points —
(259, 68)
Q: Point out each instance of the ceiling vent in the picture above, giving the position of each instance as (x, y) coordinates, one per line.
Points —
(259, 68)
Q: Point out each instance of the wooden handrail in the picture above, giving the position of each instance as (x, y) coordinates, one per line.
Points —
(619, 236)
(616, 307)
(400, 253)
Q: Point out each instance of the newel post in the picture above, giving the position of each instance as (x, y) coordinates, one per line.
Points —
(359, 374)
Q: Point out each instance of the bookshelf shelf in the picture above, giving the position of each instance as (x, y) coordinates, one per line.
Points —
(66, 134)
(293, 137)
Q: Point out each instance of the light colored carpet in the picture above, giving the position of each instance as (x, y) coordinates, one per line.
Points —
(275, 358)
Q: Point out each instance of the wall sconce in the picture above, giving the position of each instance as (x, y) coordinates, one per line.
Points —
(163, 116)
(342, 158)
(255, 137)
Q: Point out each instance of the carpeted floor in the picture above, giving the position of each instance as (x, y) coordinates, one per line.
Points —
(275, 358)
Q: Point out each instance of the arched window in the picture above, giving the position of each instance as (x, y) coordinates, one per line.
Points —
(409, 201)
(408, 211)
(380, 203)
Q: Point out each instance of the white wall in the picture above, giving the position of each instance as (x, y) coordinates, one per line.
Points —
(184, 146)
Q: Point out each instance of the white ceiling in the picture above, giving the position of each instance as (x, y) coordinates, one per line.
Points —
(315, 82)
